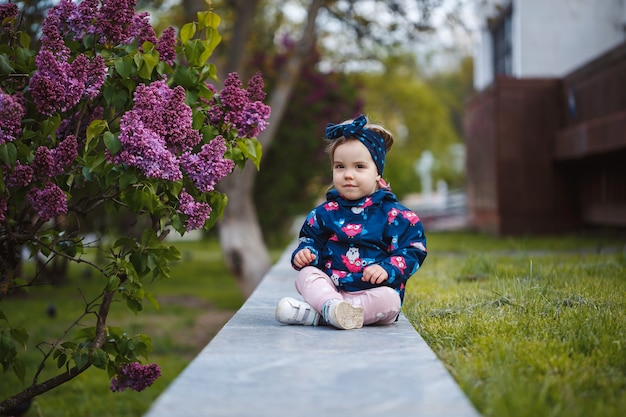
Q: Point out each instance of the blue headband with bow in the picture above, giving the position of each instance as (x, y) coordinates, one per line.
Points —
(374, 143)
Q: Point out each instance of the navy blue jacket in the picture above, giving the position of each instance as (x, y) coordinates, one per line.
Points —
(346, 236)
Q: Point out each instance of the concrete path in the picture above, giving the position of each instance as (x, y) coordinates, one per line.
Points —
(257, 367)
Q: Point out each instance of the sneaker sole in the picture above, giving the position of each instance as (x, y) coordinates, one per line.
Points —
(348, 316)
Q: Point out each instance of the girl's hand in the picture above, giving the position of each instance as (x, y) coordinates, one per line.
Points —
(375, 274)
(303, 258)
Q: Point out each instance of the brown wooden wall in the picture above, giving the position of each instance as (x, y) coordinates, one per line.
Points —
(521, 192)
(592, 141)
(549, 155)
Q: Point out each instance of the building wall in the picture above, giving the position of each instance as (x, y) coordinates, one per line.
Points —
(550, 38)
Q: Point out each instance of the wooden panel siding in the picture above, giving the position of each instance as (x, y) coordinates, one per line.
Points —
(513, 185)
(549, 155)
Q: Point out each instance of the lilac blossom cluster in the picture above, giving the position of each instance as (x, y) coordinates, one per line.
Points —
(11, 113)
(135, 376)
(58, 84)
(240, 108)
(49, 201)
(207, 167)
(197, 212)
(7, 10)
(45, 197)
(157, 137)
(156, 130)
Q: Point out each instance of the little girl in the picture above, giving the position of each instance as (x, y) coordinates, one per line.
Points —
(357, 250)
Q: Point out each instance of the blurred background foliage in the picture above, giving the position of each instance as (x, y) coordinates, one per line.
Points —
(380, 74)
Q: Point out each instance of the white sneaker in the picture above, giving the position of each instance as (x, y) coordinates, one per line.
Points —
(343, 315)
(291, 311)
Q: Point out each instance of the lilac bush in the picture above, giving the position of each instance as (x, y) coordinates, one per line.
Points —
(108, 114)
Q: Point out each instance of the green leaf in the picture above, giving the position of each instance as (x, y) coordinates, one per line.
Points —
(127, 178)
(213, 38)
(124, 66)
(185, 76)
(20, 335)
(152, 299)
(193, 50)
(187, 32)
(81, 359)
(252, 149)
(149, 61)
(94, 129)
(61, 360)
(86, 333)
(5, 65)
(19, 369)
(112, 142)
(114, 283)
(134, 305)
(24, 40)
(140, 262)
(116, 332)
(100, 359)
(209, 19)
(8, 153)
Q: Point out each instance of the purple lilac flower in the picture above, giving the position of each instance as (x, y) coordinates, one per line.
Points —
(253, 119)
(156, 129)
(145, 149)
(51, 38)
(207, 167)
(141, 29)
(177, 121)
(166, 45)
(11, 113)
(114, 22)
(21, 176)
(255, 87)
(197, 212)
(135, 376)
(8, 10)
(235, 106)
(43, 163)
(233, 96)
(95, 77)
(58, 85)
(80, 19)
(49, 201)
(64, 154)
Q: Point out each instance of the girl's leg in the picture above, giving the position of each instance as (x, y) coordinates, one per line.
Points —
(381, 304)
(316, 287)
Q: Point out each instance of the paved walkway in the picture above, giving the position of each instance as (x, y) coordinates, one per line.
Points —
(257, 367)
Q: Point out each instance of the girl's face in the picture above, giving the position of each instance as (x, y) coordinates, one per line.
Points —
(354, 172)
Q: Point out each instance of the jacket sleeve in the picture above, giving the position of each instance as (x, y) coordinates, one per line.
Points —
(407, 250)
(313, 236)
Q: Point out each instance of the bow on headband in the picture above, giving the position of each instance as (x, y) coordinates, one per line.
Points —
(373, 142)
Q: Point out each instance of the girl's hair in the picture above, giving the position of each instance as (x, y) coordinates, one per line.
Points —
(331, 145)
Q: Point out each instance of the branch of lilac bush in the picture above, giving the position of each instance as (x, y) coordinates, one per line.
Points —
(108, 114)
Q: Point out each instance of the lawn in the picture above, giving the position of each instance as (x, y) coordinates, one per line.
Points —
(527, 326)
(194, 303)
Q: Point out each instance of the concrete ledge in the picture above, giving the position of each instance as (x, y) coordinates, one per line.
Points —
(257, 367)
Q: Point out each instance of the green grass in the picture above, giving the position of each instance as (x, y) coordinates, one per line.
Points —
(528, 327)
(200, 287)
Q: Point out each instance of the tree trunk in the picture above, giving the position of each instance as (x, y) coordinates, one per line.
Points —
(240, 233)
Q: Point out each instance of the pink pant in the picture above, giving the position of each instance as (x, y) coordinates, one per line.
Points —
(381, 305)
